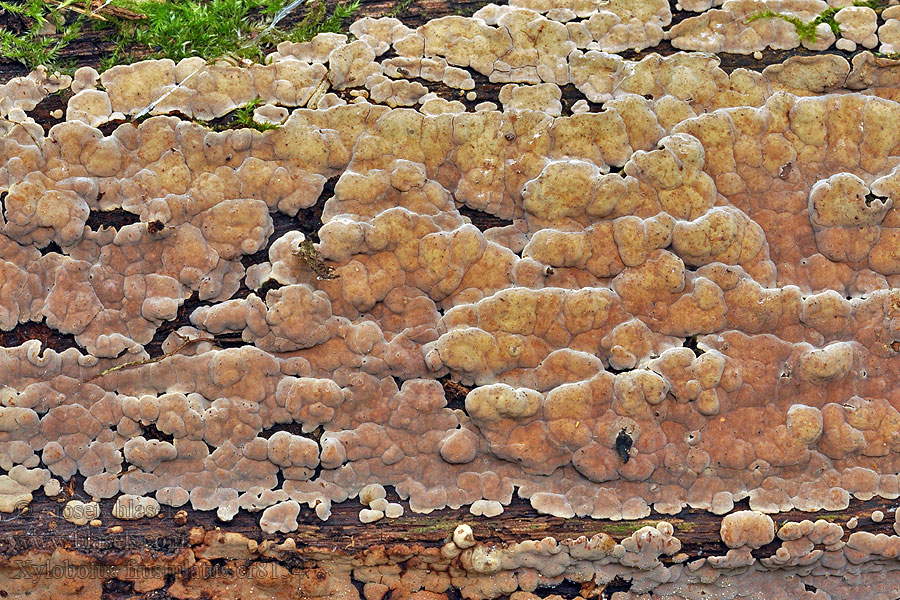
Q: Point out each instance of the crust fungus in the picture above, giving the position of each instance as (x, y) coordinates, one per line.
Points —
(889, 31)
(80, 513)
(543, 97)
(747, 528)
(689, 302)
(857, 26)
(281, 517)
(37, 213)
(129, 507)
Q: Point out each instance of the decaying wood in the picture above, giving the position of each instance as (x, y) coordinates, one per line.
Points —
(39, 536)
(40, 529)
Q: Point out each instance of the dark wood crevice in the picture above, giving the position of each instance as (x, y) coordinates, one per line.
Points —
(51, 247)
(482, 220)
(293, 428)
(49, 338)
(455, 393)
(53, 102)
(116, 218)
(282, 224)
(309, 220)
(117, 588)
(152, 433)
(182, 319)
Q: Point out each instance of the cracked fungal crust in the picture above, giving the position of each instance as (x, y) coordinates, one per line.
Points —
(691, 300)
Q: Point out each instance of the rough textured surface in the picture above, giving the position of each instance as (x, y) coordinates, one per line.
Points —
(680, 295)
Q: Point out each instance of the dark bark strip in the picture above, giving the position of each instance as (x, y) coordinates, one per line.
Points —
(41, 527)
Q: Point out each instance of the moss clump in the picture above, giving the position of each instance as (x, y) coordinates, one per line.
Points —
(32, 46)
(242, 118)
(181, 28)
(876, 5)
(807, 30)
(438, 525)
(176, 29)
(213, 29)
(399, 8)
(625, 527)
(316, 21)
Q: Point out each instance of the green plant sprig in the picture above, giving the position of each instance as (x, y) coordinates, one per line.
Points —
(33, 47)
(221, 28)
(175, 29)
(242, 118)
(807, 30)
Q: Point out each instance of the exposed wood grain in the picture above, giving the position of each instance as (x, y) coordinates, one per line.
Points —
(41, 527)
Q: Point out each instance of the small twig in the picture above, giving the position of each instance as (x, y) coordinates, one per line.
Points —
(117, 11)
(131, 469)
(67, 6)
(97, 13)
(150, 361)
(22, 125)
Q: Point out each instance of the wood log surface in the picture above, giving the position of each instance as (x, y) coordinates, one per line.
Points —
(31, 535)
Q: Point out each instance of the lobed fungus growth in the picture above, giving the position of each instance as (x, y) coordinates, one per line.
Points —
(683, 293)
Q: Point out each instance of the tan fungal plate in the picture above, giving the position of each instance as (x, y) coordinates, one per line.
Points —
(690, 298)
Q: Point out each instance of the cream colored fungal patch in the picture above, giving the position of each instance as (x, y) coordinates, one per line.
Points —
(130, 507)
(750, 26)
(80, 513)
(689, 300)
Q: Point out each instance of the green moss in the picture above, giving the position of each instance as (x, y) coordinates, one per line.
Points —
(399, 8)
(807, 30)
(242, 118)
(32, 47)
(175, 29)
(316, 21)
(831, 517)
(625, 527)
(182, 28)
(437, 526)
(876, 5)
(212, 29)
(310, 256)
